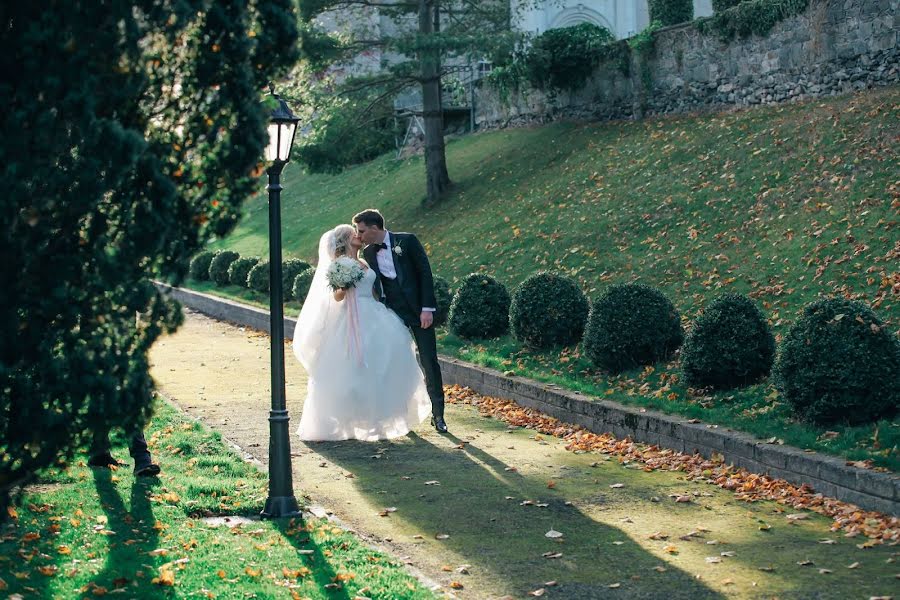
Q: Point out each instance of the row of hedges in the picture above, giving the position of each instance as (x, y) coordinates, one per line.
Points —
(838, 363)
(250, 272)
(228, 267)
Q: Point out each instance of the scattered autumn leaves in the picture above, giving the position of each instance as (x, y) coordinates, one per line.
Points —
(877, 527)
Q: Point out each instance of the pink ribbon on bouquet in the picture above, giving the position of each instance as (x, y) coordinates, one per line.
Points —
(354, 338)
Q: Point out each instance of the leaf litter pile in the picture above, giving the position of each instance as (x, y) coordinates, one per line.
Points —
(747, 486)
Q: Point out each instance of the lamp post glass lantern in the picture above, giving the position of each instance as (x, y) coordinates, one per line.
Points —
(281, 501)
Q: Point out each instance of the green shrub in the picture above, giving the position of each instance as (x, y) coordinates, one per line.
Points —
(237, 272)
(480, 308)
(631, 325)
(730, 345)
(199, 269)
(671, 12)
(564, 58)
(720, 5)
(289, 271)
(839, 364)
(338, 137)
(218, 268)
(548, 310)
(300, 287)
(751, 17)
(258, 277)
(444, 297)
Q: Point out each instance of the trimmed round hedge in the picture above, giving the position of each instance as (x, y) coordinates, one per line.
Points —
(480, 308)
(444, 298)
(631, 325)
(300, 287)
(548, 310)
(289, 271)
(239, 269)
(839, 364)
(218, 268)
(730, 345)
(199, 267)
(258, 277)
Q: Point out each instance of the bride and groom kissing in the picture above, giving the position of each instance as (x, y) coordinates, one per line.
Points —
(358, 332)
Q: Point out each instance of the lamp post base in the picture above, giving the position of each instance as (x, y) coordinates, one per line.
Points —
(281, 507)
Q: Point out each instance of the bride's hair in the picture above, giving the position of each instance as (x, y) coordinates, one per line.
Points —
(340, 240)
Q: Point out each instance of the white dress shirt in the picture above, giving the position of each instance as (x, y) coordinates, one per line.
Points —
(385, 258)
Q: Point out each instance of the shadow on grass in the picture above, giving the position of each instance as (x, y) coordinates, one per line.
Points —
(477, 502)
(317, 562)
(135, 536)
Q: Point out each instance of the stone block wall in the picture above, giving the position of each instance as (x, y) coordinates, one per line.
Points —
(835, 47)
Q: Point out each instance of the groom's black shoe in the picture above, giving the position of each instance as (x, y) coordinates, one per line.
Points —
(103, 459)
(439, 424)
(147, 470)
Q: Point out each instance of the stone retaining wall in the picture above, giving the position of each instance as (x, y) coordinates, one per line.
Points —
(835, 47)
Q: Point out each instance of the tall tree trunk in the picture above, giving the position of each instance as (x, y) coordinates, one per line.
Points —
(437, 179)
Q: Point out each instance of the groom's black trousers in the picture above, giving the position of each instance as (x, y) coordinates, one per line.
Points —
(426, 344)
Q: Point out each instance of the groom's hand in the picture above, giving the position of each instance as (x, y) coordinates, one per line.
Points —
(426, 318)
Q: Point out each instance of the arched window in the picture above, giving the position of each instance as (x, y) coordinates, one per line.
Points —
(581, 14)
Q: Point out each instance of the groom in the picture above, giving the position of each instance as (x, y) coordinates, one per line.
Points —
(400, 263)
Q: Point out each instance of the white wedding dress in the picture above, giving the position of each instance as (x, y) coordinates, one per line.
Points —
(364, 380)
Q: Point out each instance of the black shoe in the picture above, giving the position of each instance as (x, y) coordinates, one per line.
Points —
(146, 470)
(439, 424)
(104, 460)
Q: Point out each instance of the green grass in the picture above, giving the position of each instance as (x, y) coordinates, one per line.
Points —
(86, 532)
(786, 204)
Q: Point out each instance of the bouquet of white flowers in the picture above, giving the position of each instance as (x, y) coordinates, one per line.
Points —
(344, 273)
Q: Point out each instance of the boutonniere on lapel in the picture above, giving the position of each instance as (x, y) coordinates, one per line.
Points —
(398, 250)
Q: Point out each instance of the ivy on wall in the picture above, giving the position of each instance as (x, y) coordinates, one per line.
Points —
(564, 58)
(749, 17)
(642, 45)
(671, 12)
(720, 5)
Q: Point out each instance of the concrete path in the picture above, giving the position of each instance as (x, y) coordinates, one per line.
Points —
(481, 511)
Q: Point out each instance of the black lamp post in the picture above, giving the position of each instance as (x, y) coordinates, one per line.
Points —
(281, 501)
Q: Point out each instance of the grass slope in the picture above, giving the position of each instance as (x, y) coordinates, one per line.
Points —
(785, 203)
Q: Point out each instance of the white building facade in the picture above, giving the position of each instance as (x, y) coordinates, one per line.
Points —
(623, 18)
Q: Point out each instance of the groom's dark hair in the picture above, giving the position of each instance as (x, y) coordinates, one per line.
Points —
(371, 217)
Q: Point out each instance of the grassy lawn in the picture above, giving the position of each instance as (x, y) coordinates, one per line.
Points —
(85, 532)
(786, 204)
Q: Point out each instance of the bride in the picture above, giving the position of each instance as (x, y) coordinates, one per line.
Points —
(364, 380)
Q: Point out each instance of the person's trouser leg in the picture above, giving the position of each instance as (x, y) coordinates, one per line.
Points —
(99, 454)
(426, 343)
(138, 450)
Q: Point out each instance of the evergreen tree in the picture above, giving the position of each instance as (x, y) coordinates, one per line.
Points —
(419, 41)
(131, 133)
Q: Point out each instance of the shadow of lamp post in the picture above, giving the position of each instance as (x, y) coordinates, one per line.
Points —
(281, 501)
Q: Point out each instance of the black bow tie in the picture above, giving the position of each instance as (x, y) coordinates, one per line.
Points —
(381, 246)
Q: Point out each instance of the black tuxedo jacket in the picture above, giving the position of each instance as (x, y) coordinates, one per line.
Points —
(413, 271)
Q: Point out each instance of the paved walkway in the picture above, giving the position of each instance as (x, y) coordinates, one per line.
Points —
(480, 511)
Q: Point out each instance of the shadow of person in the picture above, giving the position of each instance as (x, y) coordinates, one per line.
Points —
(497, 519)
(134, 536)
(310, 555)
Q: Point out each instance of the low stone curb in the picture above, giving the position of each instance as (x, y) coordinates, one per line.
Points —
(828, 475)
